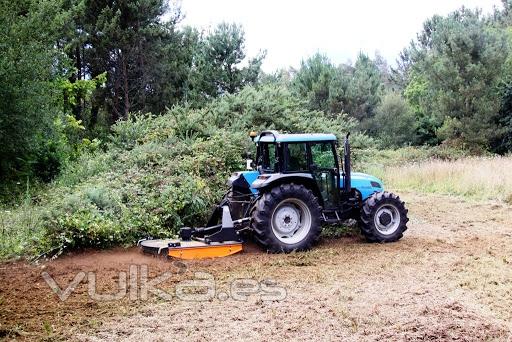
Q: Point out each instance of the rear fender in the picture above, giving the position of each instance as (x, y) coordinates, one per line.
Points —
(263, 184)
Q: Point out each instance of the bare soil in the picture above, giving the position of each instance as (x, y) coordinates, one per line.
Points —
(449, 278)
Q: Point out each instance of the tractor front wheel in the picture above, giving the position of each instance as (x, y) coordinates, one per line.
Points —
(286, 219)
(383, 217)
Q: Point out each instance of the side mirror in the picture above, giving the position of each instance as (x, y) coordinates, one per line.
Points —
(249, 162)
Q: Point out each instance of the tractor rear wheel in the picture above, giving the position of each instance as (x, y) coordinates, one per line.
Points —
(286, 219)
(383, 217)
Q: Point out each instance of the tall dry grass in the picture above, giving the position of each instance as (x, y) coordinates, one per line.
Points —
(478, 178)
(19, 228)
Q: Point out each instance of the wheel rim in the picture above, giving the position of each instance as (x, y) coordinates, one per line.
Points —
(387, 219)
(291, 221)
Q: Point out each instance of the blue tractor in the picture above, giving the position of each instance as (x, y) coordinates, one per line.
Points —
(296, 184)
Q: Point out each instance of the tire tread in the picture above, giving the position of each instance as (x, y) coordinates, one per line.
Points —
(369, 209)
(261, 220)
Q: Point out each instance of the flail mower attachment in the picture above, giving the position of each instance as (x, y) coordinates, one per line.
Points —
(200, 243)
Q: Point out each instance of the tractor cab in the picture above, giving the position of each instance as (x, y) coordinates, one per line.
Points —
(305, 155)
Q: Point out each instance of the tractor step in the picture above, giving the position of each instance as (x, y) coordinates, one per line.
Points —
(189, 250)
(331, 216)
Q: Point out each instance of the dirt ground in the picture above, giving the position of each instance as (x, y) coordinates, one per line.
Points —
(449, 278)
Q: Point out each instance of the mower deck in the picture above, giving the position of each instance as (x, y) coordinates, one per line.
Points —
(189, 250)
(217, 241)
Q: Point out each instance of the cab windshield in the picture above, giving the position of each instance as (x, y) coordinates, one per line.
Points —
(267, 157)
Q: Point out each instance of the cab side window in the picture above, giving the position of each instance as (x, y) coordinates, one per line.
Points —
(297, 159)
(322, 156)
(268, 156)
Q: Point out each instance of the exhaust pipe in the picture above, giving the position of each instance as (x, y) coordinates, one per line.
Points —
(347, 186)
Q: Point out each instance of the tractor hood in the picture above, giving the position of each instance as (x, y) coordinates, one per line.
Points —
(365, 184)
(364, 176)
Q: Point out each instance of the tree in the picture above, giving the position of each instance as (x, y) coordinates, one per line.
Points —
(30, 71)
(217, 65)
(338, 89)
(458, 61)
(418, 95)
(313, 81)
(147, 60)
(502, 140)
(394, 122)
(387, 80)
(365, 89)
(355, 90)
(399, 74)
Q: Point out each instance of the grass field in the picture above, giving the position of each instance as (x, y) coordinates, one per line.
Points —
(488, 178)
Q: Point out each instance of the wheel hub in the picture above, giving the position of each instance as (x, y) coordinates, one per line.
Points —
(287, 219)
(385, 218)
(291, 221)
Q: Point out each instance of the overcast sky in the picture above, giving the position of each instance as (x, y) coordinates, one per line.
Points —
(293, 30)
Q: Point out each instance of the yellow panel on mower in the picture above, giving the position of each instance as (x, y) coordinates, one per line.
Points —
(199, 250)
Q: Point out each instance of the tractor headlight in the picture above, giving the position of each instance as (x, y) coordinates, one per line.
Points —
(376, 184)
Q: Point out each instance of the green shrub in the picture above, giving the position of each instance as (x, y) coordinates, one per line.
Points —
(394, 122)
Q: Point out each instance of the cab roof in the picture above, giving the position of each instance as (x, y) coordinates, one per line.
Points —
(274, 136)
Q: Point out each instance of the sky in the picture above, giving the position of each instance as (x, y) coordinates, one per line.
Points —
(293, 30)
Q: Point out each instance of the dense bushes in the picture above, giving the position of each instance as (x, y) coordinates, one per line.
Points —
(146, 187)
(161, 173)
